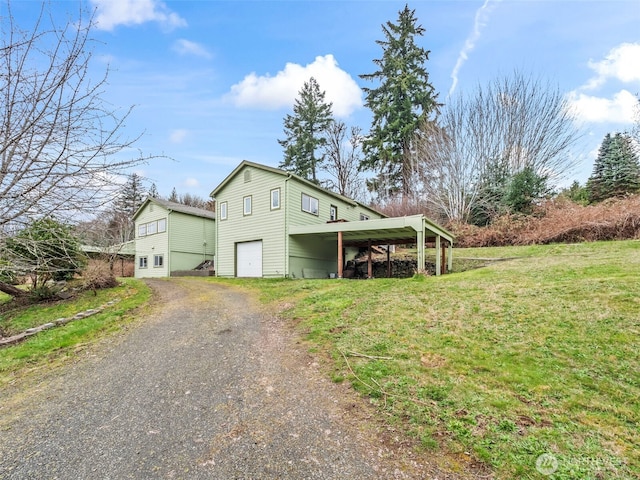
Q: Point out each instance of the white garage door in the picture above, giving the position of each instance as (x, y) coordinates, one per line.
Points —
(249, 259)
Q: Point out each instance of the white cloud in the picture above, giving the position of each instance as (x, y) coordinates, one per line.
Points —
(191, 182)
(482, 18)
(178, 135)
(282, 89)
(187, 47)
(622, 63)
(619, 109)
(111, 13)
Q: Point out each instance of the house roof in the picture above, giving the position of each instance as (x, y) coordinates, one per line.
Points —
(246, 163)
(176, 207)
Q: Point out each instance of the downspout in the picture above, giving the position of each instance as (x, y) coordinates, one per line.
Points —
(287, 273)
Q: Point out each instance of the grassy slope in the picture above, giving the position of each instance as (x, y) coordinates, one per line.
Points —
(61, 342)
(534, 355)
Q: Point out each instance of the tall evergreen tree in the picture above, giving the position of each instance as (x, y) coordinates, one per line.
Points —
(174, 196)
(616, 171)
(127, 203)
(401, 103)
(305, 130)
(153, 191)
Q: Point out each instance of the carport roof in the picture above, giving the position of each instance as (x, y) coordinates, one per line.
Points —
(384, 231)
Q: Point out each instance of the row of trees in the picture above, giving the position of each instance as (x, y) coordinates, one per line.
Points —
(500, 148)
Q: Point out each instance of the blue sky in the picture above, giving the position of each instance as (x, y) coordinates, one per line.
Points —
(212, 80)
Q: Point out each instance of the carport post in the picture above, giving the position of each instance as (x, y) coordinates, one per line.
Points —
(340, 257)
(420, 245)
(438, 255)
(370, 263)
(450, 257)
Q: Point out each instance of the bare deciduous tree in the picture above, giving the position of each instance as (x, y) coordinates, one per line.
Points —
(59, 138)
(513, 123)
(342, 157)
(61, 143)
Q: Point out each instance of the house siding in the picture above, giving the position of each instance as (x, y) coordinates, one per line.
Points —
(191, 240)
(150, 245)
(314, 256)
(263, 223)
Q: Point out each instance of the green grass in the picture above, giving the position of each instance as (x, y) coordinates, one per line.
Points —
(62, 342)
(534, 355)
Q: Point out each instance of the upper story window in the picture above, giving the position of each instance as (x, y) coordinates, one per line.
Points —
(333, 213)
(150, 228)
(364, 217)
(246, 202)
(223, 211)
(275, 199)
(309, 204)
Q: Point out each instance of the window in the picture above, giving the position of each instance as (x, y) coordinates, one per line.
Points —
(142, 262)
(152, 228)
(333, 213)
(157, 260)
(162, 225)
(275, 199)
(246, 201)
(142, 230)
(364, 217)
(223, 211)
(309, 204)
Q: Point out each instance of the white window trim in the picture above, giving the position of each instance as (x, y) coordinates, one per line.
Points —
(140, 262)
(163, 222)
(223, 211)
(310, 210)
(275, 207)
(364, 216)
(244, 205)
(142, 230)
(333, 209)
(157, 264)
(152, 226)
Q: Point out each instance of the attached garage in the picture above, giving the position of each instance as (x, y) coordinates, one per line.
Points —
(249, 259)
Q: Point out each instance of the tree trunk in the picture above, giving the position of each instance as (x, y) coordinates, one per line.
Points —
(11, 290)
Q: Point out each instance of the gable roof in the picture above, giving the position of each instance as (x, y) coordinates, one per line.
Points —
(247, 163)
(176, 207)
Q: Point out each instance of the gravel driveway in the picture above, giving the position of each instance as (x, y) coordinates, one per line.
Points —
(207, 385)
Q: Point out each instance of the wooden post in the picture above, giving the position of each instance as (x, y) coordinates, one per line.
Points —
(443, 261)
(438, 258)
(370, 263)
(388, 261)
(340, 256)
(450, 259)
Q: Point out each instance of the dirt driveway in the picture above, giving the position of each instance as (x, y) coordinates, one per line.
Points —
(208, 385)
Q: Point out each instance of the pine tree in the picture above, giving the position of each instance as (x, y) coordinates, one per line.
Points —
(129, 199)
(174, 196)
(304, 131)
(402, 102)
(153, 191)
(616, 171)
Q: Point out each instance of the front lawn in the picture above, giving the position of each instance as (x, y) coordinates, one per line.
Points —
(534, 355)
(61, 342)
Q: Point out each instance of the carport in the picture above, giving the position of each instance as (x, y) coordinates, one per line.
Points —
(414, 229)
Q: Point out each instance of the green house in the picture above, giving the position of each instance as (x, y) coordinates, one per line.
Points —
(271, 223)
(172, 237)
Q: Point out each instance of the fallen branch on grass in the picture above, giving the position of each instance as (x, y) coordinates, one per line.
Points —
(356, 354)
(379, 388)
